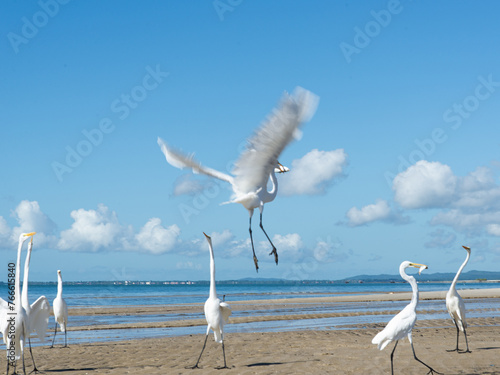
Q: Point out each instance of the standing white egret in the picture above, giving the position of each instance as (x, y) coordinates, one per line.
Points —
(60, 311)
(38, 312)
(456, 306)
(259, 162)
(402, 324)
(216, 312)
(14, 321)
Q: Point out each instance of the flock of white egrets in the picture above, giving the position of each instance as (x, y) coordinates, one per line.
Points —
(19, 319)
(252, 171)
(255, 167)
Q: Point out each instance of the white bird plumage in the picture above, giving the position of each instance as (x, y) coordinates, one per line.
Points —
(38, 312)
(60, 311)
(456, 307)
(259, 162)
(216, 312)
(401, 325)
(14, 338)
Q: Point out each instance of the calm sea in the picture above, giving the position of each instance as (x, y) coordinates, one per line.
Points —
(96, 296)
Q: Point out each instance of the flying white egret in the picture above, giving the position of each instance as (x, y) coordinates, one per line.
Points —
(216, 312)
(38, 312)
(60, 311)
(456, 306)
(402, 324)
(14, 321)
(259, 162)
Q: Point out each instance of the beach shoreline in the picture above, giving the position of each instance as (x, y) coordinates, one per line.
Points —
(320, 351)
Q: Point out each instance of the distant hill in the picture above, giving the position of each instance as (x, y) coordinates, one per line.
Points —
(435, 277)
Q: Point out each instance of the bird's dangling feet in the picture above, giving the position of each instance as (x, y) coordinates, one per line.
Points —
(256, 263)
(275, 255)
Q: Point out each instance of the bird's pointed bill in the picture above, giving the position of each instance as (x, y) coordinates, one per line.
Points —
(420, 267)
(31, 234)
(206, 235)
(466, 247)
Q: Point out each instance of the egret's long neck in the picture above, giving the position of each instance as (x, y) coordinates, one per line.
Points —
(414, 287)
(17, 281)
(271, 194)
(213, 292)
(59, 285)
(454, 282)
(24, 295)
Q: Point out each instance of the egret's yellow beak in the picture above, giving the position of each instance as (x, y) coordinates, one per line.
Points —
(281, 168)
(420, 267)
(30, 234)
(466, 247)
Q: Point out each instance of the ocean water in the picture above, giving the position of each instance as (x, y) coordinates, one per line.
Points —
(98, 296)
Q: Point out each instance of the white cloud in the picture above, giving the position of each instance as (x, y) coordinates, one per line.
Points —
(379, 211)
(312, 174)
(31, 219)
(425, 184)
(155, 238)
(367, 214)
(290, 246)
(91, 230)
(493, 229)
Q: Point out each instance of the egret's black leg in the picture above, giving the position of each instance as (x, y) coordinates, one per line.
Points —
(202, 349)
(54, 339)
(253, 250)
(224, 355)
(431, 370)
(466, 343)
(66, 338)
(32, 358)
(274, 248)
(458, 333)
(392, 355)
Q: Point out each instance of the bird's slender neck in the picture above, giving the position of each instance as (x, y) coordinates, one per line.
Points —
(271, 194)
(17, 280)
(24, 296)
(414, 287)
(213, 292)
(59, 285)
(454, 282)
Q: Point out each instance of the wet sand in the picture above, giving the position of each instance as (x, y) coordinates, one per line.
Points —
(347, 351)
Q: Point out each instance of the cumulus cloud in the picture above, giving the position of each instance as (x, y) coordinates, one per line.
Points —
(493, 229)
(425, 184)
(311, 174)
(30, 218)
(91, 230)
(157, 239)
(379, 211)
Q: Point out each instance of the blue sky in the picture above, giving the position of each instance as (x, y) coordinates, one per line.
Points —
(400, 162)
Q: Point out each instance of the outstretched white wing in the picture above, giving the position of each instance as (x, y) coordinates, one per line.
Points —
(181, 161)
(39, 317)
(261, 155)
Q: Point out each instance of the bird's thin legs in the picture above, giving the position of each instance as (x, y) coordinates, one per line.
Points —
(458, 334)
(466, 343)
(54, 339)
(253, 250)
(66, 338)
(202, 349)
(431, 370)
(32, 358)
(274, 248)
(224, 355)
(392, 355)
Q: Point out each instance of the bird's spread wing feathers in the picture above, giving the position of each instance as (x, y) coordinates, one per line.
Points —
(181, 161)
(256, 163)
(226, 311)
(39, 317)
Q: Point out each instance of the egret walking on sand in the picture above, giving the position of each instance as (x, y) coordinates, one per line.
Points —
(402, 324)
(60, 311)
(13, 318)
(259, 162)
(456, 306)
(38, 312)
(216, 312)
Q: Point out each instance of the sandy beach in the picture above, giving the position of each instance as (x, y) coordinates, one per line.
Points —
(345, 351)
